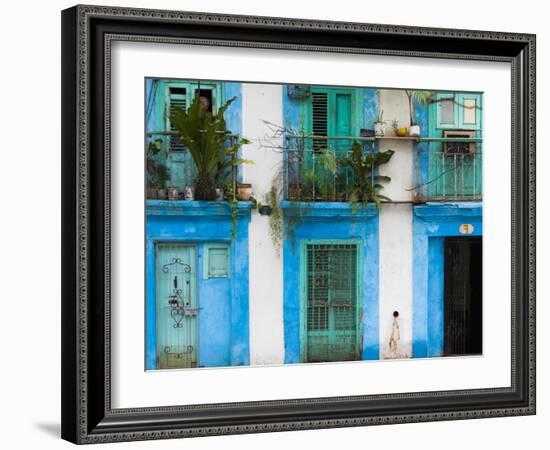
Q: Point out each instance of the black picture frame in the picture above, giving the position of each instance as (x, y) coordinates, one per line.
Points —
(87, 32)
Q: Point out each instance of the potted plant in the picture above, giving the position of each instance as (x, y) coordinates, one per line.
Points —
(399, 131)
(422, 98)
(173, 193)
(366, 184)
(157, 172)
(379, 125)
(244, 191)
(204, 134)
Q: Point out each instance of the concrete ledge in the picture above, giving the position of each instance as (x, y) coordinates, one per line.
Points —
(214, 209)
(329, 210)
(442, 211)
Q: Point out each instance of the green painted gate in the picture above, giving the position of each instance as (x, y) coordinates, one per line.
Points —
(330, 287)
(177, 311)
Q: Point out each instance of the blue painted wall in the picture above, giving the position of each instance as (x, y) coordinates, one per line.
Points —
(223, 315)
(370, 107)
(433, 222)
(332, 221)
(421, 159)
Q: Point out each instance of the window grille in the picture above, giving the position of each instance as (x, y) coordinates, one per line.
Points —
(331, 302)
(458, 147)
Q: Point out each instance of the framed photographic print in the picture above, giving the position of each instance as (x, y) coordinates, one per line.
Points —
(281, 224)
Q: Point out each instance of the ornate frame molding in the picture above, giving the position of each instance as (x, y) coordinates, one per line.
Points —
(85, 421)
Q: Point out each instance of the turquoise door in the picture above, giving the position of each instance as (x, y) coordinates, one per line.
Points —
(177, 310)
(342, 122)
(330, 288)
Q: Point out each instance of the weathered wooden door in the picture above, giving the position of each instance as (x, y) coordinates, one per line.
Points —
(331, 302)
(463, 296)
(177, 311)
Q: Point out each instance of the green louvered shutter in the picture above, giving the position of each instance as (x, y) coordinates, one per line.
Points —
(319, 118)
(331, 302)
(180, 162)
(178, 99)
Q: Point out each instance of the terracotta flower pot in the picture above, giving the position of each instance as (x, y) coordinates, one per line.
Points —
(173, 193)
(245, 191)
(152, 193)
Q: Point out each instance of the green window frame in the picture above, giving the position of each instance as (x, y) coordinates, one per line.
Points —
(466, 182)
(459, 110)
(181, 92)
(173, 93)
(216, 257)
(314, 107)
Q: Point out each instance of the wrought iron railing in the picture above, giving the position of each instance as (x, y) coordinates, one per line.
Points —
(313, 168)
(448, 169)
(445, 169)
(178, 162)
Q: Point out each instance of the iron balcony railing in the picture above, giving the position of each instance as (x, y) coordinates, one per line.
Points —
(448, 169)
(177, 160)
(445, 169)
(313, 168)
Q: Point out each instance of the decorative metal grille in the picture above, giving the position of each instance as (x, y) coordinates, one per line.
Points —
(331, 302)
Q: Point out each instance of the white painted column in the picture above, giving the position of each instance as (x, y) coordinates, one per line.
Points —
(395, 231)
(263, 102)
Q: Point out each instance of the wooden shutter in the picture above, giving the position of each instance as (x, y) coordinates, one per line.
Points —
(177, 99)
(319, 117)
(216, 261)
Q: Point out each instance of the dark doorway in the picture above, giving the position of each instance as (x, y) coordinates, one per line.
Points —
(463, 296)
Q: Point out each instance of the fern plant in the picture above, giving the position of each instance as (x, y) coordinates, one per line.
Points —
(204, 135)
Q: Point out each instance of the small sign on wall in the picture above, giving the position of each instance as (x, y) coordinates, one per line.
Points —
(466, 228)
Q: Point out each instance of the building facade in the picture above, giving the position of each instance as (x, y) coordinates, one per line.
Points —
(350, 280)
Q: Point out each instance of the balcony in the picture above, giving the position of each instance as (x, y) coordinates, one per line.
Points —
(445, 169)
(170, 164)
(313, 168)
(448, 169)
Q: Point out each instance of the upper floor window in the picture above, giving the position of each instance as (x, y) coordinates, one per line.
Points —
(458, 111)
(180, 95)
